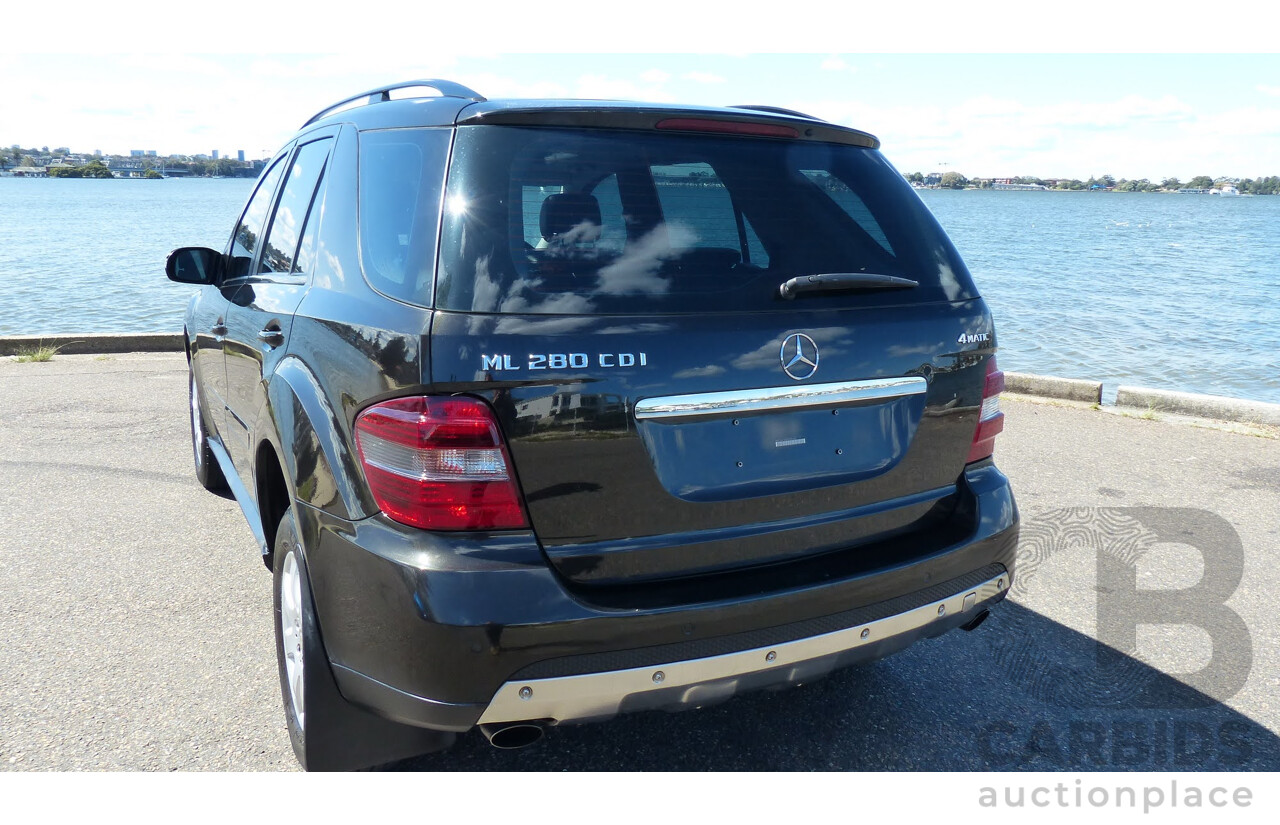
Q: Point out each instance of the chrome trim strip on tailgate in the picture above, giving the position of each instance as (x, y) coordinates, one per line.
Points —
(597, 695)
(772, 399)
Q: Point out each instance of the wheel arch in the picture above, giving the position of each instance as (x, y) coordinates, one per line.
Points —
(309, 448)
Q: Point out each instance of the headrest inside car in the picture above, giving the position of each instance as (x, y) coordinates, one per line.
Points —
(563, 214)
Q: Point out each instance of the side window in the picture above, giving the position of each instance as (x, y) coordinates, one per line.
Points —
(613, 230)
(700, 214)
(249, 232)
(295, 201)
(853, 206)
(305, 262)
(531, 198)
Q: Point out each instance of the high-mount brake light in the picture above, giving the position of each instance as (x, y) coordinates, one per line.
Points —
(991, 420)
(727, 127)
(439, 463)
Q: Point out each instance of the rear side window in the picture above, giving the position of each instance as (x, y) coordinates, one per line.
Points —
(248, 234)
(693, 198)
(577, 221)
(295, 203)
(401, 178)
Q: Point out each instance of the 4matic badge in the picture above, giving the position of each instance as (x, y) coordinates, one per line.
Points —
(973, 338)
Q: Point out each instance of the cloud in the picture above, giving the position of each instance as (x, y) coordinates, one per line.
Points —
(655, 76)
(1274, 91)
(602, 87)
(704, 77)
(837, 64)
(175, 64)
(988, 135)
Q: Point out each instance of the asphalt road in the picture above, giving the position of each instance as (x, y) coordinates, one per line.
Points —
(135, 628)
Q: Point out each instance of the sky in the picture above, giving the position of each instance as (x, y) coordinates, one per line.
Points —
(1141, 115)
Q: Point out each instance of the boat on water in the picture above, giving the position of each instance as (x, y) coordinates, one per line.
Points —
(1227, 191)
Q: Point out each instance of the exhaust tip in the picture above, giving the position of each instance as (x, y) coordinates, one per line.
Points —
(510, 737)
(976, 620)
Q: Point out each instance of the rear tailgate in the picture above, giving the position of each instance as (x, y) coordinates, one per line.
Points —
(615, 294)
(685, 447)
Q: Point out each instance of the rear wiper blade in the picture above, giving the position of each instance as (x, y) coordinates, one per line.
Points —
(841, 281)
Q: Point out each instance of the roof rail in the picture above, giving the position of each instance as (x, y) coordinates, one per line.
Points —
(777, 110)
(447, 88)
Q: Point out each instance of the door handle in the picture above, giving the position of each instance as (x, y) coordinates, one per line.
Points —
(273, 337)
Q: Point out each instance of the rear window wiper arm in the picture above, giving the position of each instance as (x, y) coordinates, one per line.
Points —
(841, 281)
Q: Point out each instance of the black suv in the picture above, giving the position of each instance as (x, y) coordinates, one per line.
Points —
(543, 411)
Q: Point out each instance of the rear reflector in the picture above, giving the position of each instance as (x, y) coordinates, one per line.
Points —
(727, 127)
(991, 420)
(439, 463)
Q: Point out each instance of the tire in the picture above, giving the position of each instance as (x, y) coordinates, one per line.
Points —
(326, 731)
(291, 620)
(208, 473)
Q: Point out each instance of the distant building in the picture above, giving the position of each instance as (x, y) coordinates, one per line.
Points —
(97, 153)
(240, 156)
(215, 154)
(137, 153)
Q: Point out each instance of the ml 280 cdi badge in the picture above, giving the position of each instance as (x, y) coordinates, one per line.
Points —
(542, 411)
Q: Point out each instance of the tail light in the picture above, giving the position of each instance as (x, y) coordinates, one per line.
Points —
(439, 463)
(991, 420)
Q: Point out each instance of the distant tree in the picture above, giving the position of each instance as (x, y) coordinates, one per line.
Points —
(1170, 183)
(915, 177)
(152, 174)
(1200, 182)
(954, 180)
(96, 169)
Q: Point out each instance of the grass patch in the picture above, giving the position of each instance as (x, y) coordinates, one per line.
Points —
(41, 353)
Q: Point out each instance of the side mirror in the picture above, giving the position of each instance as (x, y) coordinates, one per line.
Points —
(194, 265)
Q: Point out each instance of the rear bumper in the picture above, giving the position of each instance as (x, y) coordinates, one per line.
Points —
(446, 632)
(698, 682)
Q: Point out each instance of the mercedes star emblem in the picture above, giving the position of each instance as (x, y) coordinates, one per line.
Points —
(799, 356)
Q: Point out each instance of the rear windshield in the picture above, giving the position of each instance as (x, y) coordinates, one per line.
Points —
(570, 221)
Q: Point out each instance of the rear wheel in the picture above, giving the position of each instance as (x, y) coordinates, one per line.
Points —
(208, 473)
(292, 624)
(326, 731)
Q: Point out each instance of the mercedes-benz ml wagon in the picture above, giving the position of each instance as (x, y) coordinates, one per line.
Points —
(542, 411)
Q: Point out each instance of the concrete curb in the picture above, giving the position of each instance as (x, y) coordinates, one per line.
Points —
(1217, 407)
(93, 343)
(1048, 386)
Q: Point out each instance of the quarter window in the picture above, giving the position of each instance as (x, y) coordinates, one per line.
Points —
(852, 205)
(401, 177)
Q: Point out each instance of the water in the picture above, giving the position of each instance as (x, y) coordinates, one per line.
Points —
(1170, 291)
(88, 255)
(1178, 292)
